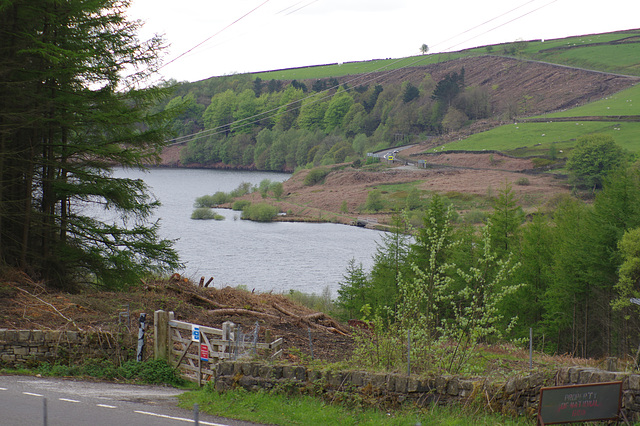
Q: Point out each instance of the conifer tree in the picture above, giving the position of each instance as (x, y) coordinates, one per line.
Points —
(71, 106)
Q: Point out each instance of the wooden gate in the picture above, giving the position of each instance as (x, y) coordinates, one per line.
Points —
(195, 349)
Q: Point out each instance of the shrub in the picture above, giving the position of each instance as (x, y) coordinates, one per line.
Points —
(321, 302)
(204, 201)
(315, 176)
(374, 201)
(153, 371)
(541, 162)
(277, 188)
(205, 213)
(243, 189)
(522, 181)
(475, 216)
(241, 205)
(260, 212)
(212, 200)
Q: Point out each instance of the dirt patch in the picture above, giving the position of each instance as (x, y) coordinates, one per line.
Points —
(25, 304)
(343, 194)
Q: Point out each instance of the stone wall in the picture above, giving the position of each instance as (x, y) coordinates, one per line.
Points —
(517, 396)
(29, 347)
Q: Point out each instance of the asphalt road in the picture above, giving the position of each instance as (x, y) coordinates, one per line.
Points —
(24, 400)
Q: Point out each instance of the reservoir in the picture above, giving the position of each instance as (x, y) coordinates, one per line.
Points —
(278, 256)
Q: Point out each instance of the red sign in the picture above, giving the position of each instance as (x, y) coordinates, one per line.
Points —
(204, 352)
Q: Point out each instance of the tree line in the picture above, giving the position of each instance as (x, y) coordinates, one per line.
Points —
(567, 271)
(253, 124)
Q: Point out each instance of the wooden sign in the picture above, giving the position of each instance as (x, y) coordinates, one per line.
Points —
(580, 403)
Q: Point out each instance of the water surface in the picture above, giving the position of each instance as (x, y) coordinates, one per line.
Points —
(276, 256)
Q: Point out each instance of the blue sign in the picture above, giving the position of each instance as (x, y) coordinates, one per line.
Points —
(195, 333)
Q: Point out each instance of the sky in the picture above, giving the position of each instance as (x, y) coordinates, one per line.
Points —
(222, 37)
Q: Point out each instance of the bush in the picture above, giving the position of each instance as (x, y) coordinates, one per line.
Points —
(243, 189)
(374, 201)
(241, 205)
(321, 303)
(204, 201)
(205, 213)
(153, 372)
(212, 200)
(523, 181)
(475, 216)
(539, 163)
(315, 176)
(260, 212)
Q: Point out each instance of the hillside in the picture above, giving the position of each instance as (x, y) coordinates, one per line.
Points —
(546, 88)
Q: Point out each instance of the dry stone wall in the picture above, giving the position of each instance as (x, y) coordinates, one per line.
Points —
(516, 396)
(29, 347)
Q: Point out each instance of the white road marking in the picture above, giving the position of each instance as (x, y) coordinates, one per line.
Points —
(67, 400)
(3, 389)
(32, 394)
(106, 406)
(182, 419)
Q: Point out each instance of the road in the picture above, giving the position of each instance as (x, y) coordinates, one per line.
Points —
(69, 403)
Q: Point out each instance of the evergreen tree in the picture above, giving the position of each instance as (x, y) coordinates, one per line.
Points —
(67, 113)
(505, 220)
(390, 264)
(354, 291)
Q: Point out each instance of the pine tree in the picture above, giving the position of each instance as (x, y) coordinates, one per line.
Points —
(67, 114)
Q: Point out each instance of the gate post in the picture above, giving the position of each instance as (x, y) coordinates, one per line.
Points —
(161, 335)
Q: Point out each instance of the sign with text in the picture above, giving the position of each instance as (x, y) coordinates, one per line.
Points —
(580, 403)
(195, 333)
(204, 352)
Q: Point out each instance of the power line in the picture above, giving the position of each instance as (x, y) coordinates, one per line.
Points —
(484, 23)
(209, 38)
(267, 114)
(503, 24)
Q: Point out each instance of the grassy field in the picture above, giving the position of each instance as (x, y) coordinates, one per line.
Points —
(353, 68)
(539, 136)
(510, 137)
(626, 102)
(575, 51)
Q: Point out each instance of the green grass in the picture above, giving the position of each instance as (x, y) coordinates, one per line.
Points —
(279, 409)
(510, 137)
(626, 102)
(353, 68)
(157, 372)
(620, 58)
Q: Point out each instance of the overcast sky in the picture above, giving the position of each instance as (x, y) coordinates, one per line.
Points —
(258, 35)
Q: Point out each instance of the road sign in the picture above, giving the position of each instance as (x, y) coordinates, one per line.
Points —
(204, 352)
(195, 333)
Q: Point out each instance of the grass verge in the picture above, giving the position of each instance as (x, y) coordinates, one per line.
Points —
(281, 409)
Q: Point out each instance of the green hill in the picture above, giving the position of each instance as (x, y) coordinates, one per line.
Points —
(304, 117)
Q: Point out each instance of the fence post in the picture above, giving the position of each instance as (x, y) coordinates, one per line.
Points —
(267, 340)
(161, 335)
(310, 342)
(141, 329)
(227, 327)
(408, 352)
